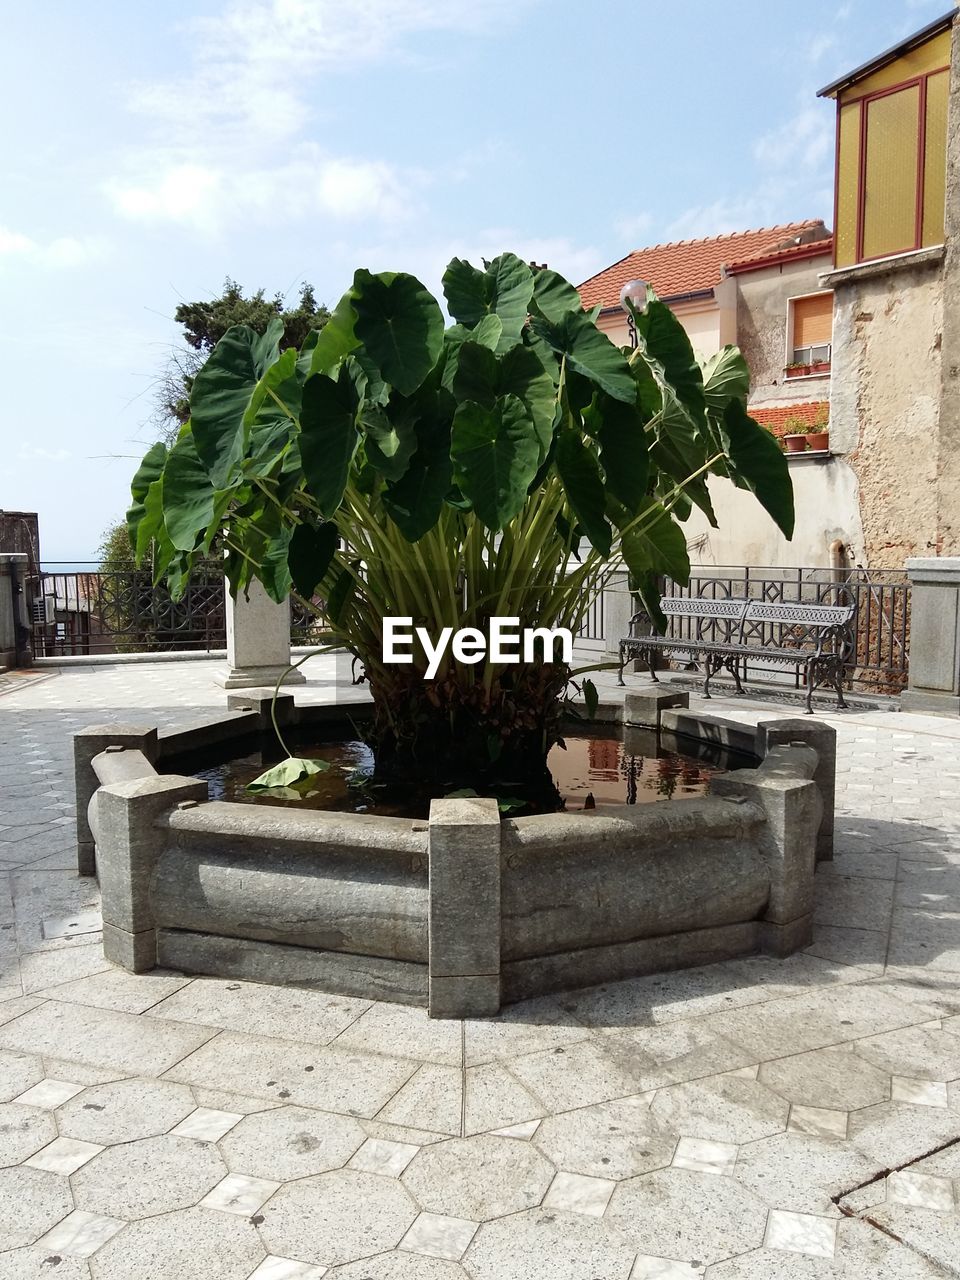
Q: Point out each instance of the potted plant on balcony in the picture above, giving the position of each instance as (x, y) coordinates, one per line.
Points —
(820, 366)
(505, 465)
(818, 435)
(795, 434)
(797, 369)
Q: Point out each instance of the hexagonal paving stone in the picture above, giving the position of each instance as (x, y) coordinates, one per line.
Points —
(676, 1213)
(549, 1245)
(478, 1178)
(721, 1108)
(18, 1072)
(35, 1264)
(914, 1051)
(836, 1078)
(23, 1130)
(610, 1140)
(292, 1142)
(125, 1111)
(801, 1173)
(195, 1244)
(894, 1133)
(337, 1217)
(398, 1266)
(151, 1176)
(31, 1202)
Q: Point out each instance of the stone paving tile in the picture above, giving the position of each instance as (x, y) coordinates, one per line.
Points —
(925, 939)
(928, 886)
(676, 1052)
(478, 1178)
(102, 1037)
(495, 1099)
(801, 1174)
(575, 1193)
(704, 1156)
(587, 1072)
(206, 1124)
(111, 988)
(721, 1109)
(865, 1252)
(337, 1217)
(288, 1013)
(399, 1266)
(80, 1234)
(930, 1231)
(18, 1072)
(894, 1133)
(64, 1155)
(836, 1078)
(920, 1093)
(191, 1244)
(49, 1094)
(241, 1194)
(31, 1202)
(609, 1140)
(914, 1051)
(291, 1142)
(435, 1236)
(273, 1268)
(654, 1213)
(431, 1100)
(147, 1177)
(920, 1190)
(817, 1122)
(23, 1131)
(544, 1244)
(861, 947)
(334, 1080)
(801, 1233)
(533, 1026)
(404, 1032)
(34, 1264)
(379, 1155)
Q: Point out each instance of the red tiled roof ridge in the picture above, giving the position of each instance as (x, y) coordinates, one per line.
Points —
(789, 227)
(811, 248)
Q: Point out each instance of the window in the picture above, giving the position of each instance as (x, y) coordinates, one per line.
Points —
(891, 161)
(809, 333)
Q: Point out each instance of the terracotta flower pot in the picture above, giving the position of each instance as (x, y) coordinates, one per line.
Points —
(798, 371)
(795, 444)
(819, 440)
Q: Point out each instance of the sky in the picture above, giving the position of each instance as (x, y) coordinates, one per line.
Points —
(149, 151)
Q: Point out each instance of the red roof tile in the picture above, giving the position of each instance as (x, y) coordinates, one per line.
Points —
(689, 266)
(775, 417)
(795, 252)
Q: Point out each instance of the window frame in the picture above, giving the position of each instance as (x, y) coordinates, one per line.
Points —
(791, 350)
(862, 102)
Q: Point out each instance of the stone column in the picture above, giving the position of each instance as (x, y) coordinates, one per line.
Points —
(464, 969)
(823, 738)
(88, 743)
(258, 641)
(934, 636)
(617, 611)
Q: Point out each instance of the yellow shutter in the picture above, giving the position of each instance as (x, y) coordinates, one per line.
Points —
(848, 186)
(935, 159)
(890, 180)
(813, 320)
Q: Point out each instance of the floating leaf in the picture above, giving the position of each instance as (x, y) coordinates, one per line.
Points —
(285, 774)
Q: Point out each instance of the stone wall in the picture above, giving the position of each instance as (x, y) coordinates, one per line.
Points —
(763, 302)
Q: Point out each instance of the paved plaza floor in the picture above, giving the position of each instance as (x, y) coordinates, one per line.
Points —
(753, 1120)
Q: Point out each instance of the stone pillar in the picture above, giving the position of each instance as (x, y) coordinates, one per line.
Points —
(784, 790)
(128, 845)
(88, 743)
(934, 636)
(617, 611)
(258, 641)
(823, 738)
(464, 910)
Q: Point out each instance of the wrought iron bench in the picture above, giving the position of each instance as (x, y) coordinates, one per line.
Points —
(816, 639)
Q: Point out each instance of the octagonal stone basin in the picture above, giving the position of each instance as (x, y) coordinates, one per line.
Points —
(461, 911)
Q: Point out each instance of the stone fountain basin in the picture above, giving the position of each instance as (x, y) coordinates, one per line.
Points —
(461, 912)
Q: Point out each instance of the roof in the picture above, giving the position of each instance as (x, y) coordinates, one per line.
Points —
(889, 55)
(775, 417)
(691, 267)
(795, 253)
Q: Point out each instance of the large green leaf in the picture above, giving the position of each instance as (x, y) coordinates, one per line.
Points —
(554, 295)
(656, 545)
(390, 439)
(309, 555)
(328, 437)
(503, 289)
(414, 502)
(282, 777)
(725, 377)
(496, 454)
(400, 324)
(274, 572)
(483, 377)
(589, 352)
(663, 343)
(140, 527)
(757, 460)
(335, 340)
(578, 469)
(221, 395)
(619, 429)
(188, 495)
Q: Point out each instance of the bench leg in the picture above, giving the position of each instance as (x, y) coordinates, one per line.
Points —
(709, 671)
(734, 669)
(623, 663)
(811, 685)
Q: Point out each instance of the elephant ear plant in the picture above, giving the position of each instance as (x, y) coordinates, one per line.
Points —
(504, 465)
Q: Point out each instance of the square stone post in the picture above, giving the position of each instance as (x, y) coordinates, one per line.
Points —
(784, 790)
(934, 636)
(258, 640)
(464, 952)
(128, 846)
(617, 611)
(88, 743)
(823, 738)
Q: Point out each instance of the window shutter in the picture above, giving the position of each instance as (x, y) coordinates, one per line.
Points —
(813, 320)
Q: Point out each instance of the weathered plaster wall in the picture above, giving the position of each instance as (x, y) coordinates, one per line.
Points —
(885, 401)
(762, 311)
(825, 494)
(948, 467)
(702, 321)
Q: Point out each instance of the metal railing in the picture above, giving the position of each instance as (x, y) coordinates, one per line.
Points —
(881, 598)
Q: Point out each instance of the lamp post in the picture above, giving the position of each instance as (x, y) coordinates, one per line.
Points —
(634, 292)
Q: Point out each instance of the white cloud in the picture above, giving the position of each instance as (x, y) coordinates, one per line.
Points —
(805, 141)
(634, 229)
(219, 126)
(32, 453)
(63, 251)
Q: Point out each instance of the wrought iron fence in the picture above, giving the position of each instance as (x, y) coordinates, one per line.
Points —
(882, 620)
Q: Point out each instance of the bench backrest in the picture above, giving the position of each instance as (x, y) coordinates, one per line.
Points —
(794, 624)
